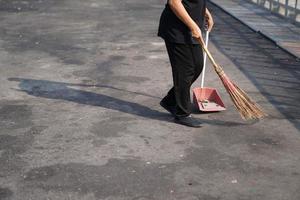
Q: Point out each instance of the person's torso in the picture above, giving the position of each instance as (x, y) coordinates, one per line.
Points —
(194, 8)
(173, 29)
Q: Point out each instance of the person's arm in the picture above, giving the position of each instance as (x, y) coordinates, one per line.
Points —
(209, 20)
(179, 10)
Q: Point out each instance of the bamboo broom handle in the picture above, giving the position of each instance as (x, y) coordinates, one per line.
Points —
(218, 69)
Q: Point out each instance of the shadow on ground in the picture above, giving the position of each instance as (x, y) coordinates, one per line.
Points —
(274, 72)
(64, 91)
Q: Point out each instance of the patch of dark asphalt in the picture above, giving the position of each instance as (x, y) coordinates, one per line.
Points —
(257, 140)
(16, 135)
(139, 58)
(126, 178)
(5, 193)
(131, 178)
(99, 142)
(180, 142)
(265, 144)
(13, 116)
(157, 51)
(107, 129)
(103, 68)
(213, 161)
(116, 58)
(59, 45)
(16, 6)
(112, 127)
(103, 73)
(36, 130)
(12, 146)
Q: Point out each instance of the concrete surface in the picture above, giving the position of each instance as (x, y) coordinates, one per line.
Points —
(80, 119)
(286, 35)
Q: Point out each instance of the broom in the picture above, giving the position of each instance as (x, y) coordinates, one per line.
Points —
(247, 108)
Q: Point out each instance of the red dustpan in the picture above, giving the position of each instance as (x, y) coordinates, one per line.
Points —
(207, 99)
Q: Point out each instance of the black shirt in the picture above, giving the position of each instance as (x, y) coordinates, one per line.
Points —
(172, 29)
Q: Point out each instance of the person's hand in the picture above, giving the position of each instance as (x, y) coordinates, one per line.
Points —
(197, 34)
(209, 21)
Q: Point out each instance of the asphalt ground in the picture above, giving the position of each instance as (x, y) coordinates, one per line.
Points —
(80, 118)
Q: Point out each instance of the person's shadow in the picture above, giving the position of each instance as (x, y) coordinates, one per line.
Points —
(60, 90)
(63, 91)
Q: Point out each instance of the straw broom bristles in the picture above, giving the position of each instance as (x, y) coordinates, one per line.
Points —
(247, 108)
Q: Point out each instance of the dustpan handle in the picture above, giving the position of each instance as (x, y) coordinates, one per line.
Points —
(204, 59)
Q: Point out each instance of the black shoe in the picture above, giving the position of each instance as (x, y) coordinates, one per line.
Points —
(188, 121)
(168, 108)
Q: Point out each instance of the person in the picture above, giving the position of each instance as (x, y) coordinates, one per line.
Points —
(180, 26)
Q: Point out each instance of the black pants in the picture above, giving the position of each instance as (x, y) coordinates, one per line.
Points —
(187, 64)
